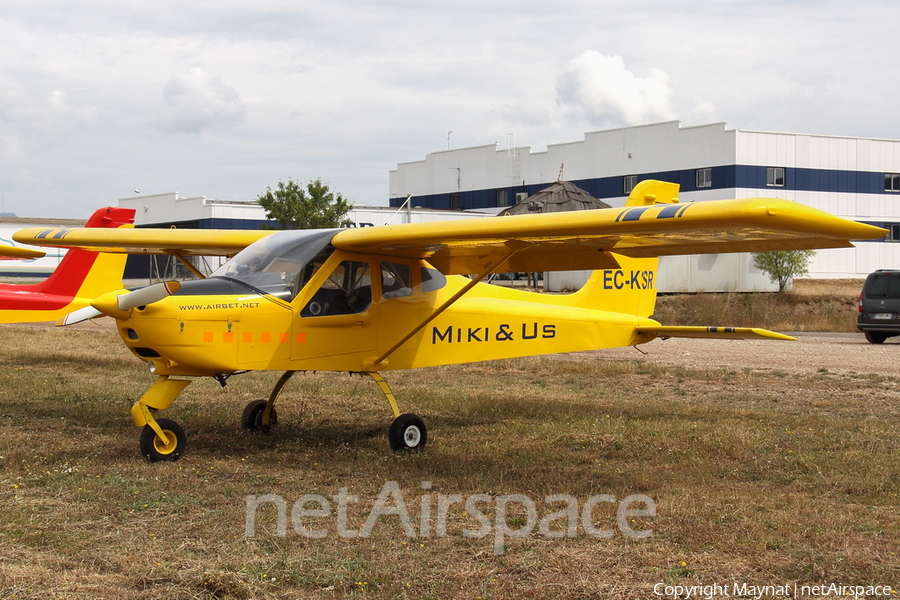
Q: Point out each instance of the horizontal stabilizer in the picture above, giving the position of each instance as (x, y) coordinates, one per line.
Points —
(722, 333)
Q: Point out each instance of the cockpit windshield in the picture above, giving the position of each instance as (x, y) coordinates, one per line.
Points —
(273, 264)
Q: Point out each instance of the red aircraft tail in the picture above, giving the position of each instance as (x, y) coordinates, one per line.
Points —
(80, 277)
(89, 274)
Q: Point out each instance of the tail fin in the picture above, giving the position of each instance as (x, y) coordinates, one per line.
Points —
(87, 274)
(630, 289)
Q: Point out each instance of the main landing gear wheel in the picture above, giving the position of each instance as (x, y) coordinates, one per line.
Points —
(155, 450)
(251, 418)
(408, 433)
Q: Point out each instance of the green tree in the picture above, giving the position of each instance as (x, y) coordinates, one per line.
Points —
(783, 265)
(311, 207)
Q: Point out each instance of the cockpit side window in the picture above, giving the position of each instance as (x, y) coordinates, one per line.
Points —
(346, 291)
(275, 264)
(432, 279)
(312, 267)
(396, 280)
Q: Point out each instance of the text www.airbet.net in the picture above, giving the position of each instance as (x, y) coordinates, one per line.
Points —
(514, 515)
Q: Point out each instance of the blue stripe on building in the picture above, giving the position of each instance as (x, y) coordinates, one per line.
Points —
(731, 176)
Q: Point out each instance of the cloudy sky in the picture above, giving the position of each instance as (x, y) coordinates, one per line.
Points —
(221, 98)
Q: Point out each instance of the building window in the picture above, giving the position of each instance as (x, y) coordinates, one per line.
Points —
(629, 183)
(502, 198)
(894, 235)
(454, 201)
(704, 178)
(775, 176)
(892, 182)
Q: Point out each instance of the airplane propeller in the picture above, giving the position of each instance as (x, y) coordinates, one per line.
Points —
(147, 295)
(117, 305)
(77, 316)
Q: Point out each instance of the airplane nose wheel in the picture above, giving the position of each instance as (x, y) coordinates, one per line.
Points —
(157, 450)
(252, 417)
(408, 433)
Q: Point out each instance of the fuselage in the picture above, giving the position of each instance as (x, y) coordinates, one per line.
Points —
(18, 304)
(340, 311)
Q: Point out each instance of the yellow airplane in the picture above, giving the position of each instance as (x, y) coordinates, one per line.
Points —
(393, 297)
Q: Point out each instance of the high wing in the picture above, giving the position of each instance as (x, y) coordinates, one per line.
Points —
(199, 242)
(585, 239)
(544, 242)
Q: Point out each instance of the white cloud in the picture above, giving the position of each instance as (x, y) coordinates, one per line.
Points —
(96, 95)
(702, 111)
(11, 152)
(200, 100)
(606, 93)
(59, 104)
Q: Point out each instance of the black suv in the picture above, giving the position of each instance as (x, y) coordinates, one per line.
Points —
(879, 306)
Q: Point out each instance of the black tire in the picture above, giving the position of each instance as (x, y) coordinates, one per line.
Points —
(876, 337)
(408, 433)
(152, 447)
(251, 418)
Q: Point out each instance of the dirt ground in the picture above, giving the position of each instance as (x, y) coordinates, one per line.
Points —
(811, 353)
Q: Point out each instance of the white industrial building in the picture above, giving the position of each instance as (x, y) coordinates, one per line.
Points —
(855, 178)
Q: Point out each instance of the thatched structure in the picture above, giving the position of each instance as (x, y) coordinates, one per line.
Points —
(557, 197)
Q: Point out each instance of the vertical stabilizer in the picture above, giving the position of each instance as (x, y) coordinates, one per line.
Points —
(630, 289)
(651, 191)
(80, 277)
(87, 274)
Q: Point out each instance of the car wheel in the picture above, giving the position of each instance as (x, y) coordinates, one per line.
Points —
(875, 337)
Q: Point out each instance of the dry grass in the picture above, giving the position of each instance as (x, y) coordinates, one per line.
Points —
(757, 478)
(779, 312)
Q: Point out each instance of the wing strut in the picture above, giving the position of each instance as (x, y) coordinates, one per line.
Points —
(187, 264)
(374, 364)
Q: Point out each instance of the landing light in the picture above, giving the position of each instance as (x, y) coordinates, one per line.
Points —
(152, 366)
